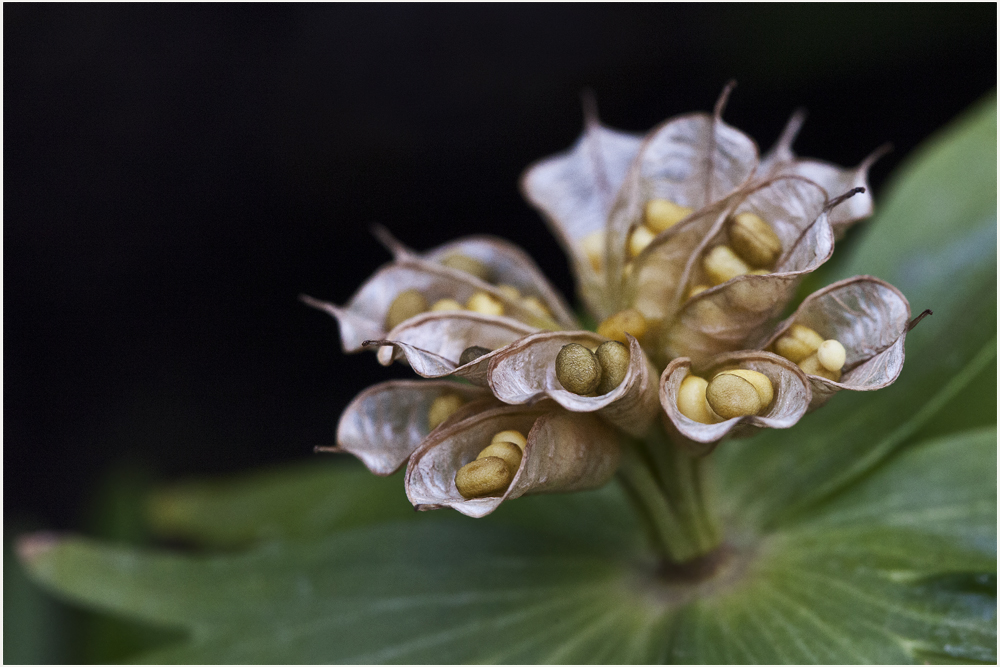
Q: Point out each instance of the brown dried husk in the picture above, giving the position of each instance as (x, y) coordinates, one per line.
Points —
(432, 343)
(791, 398)
(869, 317)
(524, 372)
(565, 452)
(385, 423)
(726, 317)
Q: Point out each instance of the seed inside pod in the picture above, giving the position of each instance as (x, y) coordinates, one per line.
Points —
(731, 396)
(509, 291)
(507, 451)
(443, 407)
(512, 436)
(754, 240)
(470, 354)
(691, 400)
(467, 264)
(624, 321)
(408, 303)
(640, 238)
(697, 289)
(593, 248)
(722, 264)
(812, 366)
(614, 360)
(577, 369)
(536, 306)
(662, 214)
(760, 382)
(798, 343)
(484, 303)
(446, 304)
(483, 477)
(831, 355)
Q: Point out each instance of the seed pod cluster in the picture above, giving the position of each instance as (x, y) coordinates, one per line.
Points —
(753, 249)
(731, 394)
(813, 354)
(494, 468)
(584, 372)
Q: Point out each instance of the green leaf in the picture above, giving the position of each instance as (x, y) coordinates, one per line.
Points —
(935, 239)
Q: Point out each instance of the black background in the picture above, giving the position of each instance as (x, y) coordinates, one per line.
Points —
(174, 176)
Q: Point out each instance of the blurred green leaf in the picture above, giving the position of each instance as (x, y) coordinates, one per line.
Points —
(33, 625)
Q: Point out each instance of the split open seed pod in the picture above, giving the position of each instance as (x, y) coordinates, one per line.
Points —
(790, 402)
(869, 317)
(525, 372)
(564, 452)
(385, 423)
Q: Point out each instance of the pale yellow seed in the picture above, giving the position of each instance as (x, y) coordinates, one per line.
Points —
(760, 382)
(691, 400)
(731, 396)
(811, 366)
(625, 321)
(639, 240)
(831, 355)
(508, 452)
(483, 477)
(614, 360)
(536, 306)
(759, 272)
(721, 264)
(446, 304)
(697, 289)
(509, 291)
(798, 343)
(443, 407)
(467, 264)
(407, 304)
(754, 240)
(593, 247)
(662, 214)
(512, 436)
(577, 369)
(481, 302)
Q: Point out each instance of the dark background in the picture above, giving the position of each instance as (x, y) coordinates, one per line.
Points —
(174, 176)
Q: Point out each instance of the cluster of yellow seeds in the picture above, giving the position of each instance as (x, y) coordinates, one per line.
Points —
(410, 303)
(494, 468)
(585, 372)
(752, 250)
(731, 394)
(814, 355)
(660, 215)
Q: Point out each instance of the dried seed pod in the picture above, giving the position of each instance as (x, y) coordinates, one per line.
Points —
(484, 303)
(510, 453)
(483, 477)
(408, 303)
(831, 355)
(614, 360)
(470, 354)
(578, 369)
(511, 436)
(662, 214)
(754, 240)
(691, 400)
(446, 304)
(721, 264)
(467, 264)
(798, 343)
(628, 321)
(732, 396)
(443, 407)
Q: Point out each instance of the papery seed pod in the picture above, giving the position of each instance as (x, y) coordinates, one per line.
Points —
(791, 398)
(525, 372)
(385, 423)
(564, 452)
(869, 318)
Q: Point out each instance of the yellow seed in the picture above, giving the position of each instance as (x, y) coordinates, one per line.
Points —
(731, 396)
(614, 360)
(467, 264)
(443, 407)
(483, 477)
(512, 436)
(641, 238)
(509, 291)
(798, 343)
(754, 240)
(691, 400)
(831, 355)
(625, 321)
(407, 304)
(446, 304)
(721, 264)
(577, 369)
(593, 247)
(536, 306)
(811, 366)
(760, 382)
(508, 452)
(481, 302)
(662, 214)
(697, 289)
(470, 354)
(759, 272)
